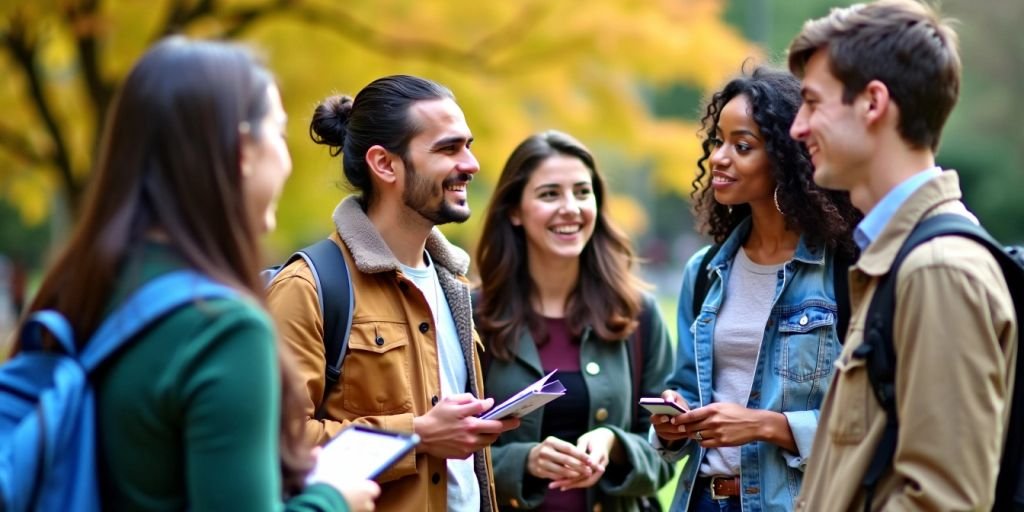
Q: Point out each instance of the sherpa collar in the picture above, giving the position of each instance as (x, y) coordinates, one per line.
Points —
(372, 255)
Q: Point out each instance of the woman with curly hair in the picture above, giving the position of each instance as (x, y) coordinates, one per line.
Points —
(758, 317)
(559, 293)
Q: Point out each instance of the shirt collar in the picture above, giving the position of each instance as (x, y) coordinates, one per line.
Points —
(875, 220)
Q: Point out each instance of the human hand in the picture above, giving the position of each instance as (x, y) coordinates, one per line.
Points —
(556, 460)
(360, 496)
(671, 428)
(723, 424)
(451, 430)
(598, 444)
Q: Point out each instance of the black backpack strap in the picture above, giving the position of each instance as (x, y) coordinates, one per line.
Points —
(841, 284)
(700, 287)
(880, 355)
(334, 291)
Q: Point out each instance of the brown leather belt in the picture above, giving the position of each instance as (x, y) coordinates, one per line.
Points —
(721, 487)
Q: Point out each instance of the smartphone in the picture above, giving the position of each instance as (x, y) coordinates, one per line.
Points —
(362, 453)
(658, 405)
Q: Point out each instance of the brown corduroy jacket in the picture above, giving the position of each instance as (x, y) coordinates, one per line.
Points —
(387, 384)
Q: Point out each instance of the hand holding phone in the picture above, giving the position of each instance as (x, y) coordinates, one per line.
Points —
(658, 405)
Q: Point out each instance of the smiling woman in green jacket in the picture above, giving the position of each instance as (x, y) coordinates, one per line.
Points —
(558, 292)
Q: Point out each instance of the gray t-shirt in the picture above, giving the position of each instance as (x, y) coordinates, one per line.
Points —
(739, 330)
(463, 486)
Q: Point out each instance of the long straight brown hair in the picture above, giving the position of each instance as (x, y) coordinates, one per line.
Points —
(169, 163)
(607, 296)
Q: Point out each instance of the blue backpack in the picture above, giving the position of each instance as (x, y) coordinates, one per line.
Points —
(47, 409)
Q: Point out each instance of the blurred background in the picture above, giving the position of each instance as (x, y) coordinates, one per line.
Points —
(627, 77)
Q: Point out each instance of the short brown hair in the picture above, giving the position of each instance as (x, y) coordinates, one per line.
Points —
(904, 44)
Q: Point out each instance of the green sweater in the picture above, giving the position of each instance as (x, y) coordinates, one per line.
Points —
(189, 414)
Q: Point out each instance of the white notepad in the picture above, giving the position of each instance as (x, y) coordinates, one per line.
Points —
(360, 453)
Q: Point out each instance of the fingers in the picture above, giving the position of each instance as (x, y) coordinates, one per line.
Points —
(556, 459)
(582, 482)
(465, 405)
(360, 496)
(674, 396)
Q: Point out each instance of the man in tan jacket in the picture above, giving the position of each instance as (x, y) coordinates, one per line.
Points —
(879, 81)
(413, 361)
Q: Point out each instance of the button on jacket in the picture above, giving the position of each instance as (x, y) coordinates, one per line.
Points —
(608, 374)
(391, 372)
(955, 339)
(792, 371)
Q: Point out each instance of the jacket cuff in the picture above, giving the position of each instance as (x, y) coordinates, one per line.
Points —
(803, 425)
(671, 454)
(406, 465)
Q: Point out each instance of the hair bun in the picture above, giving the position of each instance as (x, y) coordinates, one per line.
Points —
(330, 122)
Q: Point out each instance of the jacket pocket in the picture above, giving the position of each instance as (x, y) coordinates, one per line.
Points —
(807, 347)
(376, 371)
(849, 406)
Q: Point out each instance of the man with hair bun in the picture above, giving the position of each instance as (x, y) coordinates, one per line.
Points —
(413, 360)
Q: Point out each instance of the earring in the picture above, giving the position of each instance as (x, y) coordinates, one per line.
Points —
(775, 196)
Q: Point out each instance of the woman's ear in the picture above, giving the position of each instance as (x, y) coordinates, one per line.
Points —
(247, 150)
(382, 163)
(513, 217)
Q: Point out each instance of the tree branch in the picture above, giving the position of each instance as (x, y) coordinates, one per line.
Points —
(345, 25)
(21, 46)
(180, 15)
(18, 145)
(85, 23)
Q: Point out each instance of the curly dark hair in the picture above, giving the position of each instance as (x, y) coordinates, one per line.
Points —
(822, 216)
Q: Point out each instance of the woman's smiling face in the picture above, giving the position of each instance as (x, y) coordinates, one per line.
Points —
(558, 208)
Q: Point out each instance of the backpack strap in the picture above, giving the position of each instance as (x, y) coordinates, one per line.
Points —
(152, 301)
(335, 296)
(880, 355)
(700, 287)
(841, 284)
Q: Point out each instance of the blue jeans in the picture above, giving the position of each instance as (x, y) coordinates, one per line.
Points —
(702, 502)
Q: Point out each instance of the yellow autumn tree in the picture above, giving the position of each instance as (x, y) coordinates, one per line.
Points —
(516, 67)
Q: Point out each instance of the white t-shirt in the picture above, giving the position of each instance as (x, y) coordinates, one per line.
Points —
(463, 486)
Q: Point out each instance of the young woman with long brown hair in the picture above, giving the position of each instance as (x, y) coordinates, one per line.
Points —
(558, 292)
(198, 412)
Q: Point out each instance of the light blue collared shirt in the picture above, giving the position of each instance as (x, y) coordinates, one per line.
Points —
(874, 222)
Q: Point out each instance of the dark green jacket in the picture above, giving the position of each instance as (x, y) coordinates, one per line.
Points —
(606, 369)
(188, 415)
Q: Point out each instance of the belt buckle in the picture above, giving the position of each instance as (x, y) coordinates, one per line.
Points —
(714, 494)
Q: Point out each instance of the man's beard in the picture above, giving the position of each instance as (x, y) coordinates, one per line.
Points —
(420, 196)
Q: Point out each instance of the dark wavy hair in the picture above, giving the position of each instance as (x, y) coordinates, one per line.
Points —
(169, 161)
(823, 216)
(607, 296)
(378, 116)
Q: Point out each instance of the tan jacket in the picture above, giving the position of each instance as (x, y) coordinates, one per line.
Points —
(954, 333)
(383, 385)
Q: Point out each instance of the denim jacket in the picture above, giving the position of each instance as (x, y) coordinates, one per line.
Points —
(794, 365)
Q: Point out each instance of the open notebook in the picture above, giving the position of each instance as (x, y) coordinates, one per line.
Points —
(531, 398)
